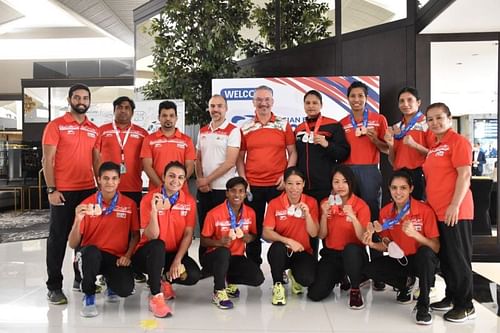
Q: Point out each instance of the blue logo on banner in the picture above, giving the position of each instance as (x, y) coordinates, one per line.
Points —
(238, 94)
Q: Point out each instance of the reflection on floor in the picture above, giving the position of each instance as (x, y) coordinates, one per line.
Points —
(23, 307)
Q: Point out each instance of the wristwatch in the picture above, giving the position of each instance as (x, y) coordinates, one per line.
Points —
(51, 189)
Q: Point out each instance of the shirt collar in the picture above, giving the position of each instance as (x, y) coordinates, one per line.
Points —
(68, 117)
(271, 120)
(221, 126)
(177, 133)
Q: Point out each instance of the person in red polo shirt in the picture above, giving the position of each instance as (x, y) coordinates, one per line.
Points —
(344, 218)
(167, 219)
(226, 231)
(290, 220)
(120, 141)
(409, 140)
(267, 149)
(166, 145)
(409, 225)
(447, 170)
(105, 234)
(67, 162)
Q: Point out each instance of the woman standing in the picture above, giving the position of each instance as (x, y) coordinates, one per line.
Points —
(290, 220)
(409, 140)
(344, 218)
(365, 131)
(447, 170)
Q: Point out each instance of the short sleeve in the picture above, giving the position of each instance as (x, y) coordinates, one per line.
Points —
(270, 218)
(234, 139)
(382, 129)
(289, 136)
(146, 210)
(146, 149)
(208, 225)
(461, 154)
(51, 134)
(190, 154)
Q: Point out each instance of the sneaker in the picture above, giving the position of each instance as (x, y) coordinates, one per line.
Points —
(167, 290)
(460, 315)
(77, 285)
(111, 296)
(232, 291)
(285, 277)
(158, 306)
(297, 288)
(443, 305)
(345, 284)
(57, 297)
(356, 300)
(423, 315)
(139, 278)
(221, 299)
(89, 309)
(279, 297)
(404, 296)
(378, 285)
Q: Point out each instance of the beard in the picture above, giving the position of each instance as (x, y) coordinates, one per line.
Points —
(79, 108)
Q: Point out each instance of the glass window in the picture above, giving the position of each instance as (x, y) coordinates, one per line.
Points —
(362, 14)
(36, 105)
(11, 116)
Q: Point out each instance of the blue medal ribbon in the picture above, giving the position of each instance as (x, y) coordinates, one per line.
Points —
(112, 205)
(406, 128)
(172, 199)
(232, 216)
(390, 222)
(365, 119)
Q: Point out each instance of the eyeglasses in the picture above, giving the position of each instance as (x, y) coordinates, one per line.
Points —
(264, 100)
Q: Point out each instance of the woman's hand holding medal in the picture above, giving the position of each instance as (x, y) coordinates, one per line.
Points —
(160, 203)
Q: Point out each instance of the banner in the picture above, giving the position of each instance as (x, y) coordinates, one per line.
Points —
(289, 95)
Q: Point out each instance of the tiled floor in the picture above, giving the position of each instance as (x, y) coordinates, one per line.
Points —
(23, 307)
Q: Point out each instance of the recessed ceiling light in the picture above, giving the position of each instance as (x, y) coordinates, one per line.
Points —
(475, 54)
(459, 63)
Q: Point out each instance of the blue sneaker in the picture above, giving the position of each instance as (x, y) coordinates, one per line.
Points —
(89, 309)
(111, 296)
(221, 299)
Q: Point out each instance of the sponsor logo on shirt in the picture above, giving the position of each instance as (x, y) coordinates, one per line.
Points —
(439, 151)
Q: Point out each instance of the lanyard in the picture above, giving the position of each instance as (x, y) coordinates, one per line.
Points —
(308, 137)
(390, 222)
(406, 128)
(365, 119)
(232, 216)
(120, 142)
(112, 205)
(172, 199)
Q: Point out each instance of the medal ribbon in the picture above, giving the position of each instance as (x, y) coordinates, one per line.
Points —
(365, 119)
(120, 142)
(112, 205)
(172, 199)
(316, 126)
(232, 216)
(406, 128)
(390, 222)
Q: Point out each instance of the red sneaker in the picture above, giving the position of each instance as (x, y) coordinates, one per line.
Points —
(167, 290)
(356, 300)
(158, 306)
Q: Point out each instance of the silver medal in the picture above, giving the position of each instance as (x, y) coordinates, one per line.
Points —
(298, 212)
(305, 138)
(290, 211)
(311, 138)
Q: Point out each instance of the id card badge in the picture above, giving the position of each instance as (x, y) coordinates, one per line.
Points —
(123, 168)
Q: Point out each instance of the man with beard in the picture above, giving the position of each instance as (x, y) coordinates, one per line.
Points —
(166, 145)
(67, 162)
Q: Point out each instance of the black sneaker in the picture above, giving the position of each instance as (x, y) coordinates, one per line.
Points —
(423, 315)
(345, 284)
(378, 286)
(404, 296)
(443, 305)
(460, 315)
(139, 278)
(57, 297)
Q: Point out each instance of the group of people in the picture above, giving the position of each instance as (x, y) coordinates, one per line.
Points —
(262, 181)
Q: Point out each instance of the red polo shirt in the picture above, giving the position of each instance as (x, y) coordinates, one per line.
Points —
(172, 222)
(217, 225)
(363, 151)
(407, 157)
(162, 149)
(340, 231)
(292, 227)
(440, 170)
(110, 233)
(420, 215)
(74, 144)
(265, 146)
(110, 150)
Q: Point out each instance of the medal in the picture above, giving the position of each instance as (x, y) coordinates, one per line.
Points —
(334, 199)
(308, 136)
(404, 129)
(232, 234)
(358, 131)
(239, 233)
(94, 209)
(162, 204)
(311, 139)
(305, 138)
(298, 213)
(290, 211)
(364, 130)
